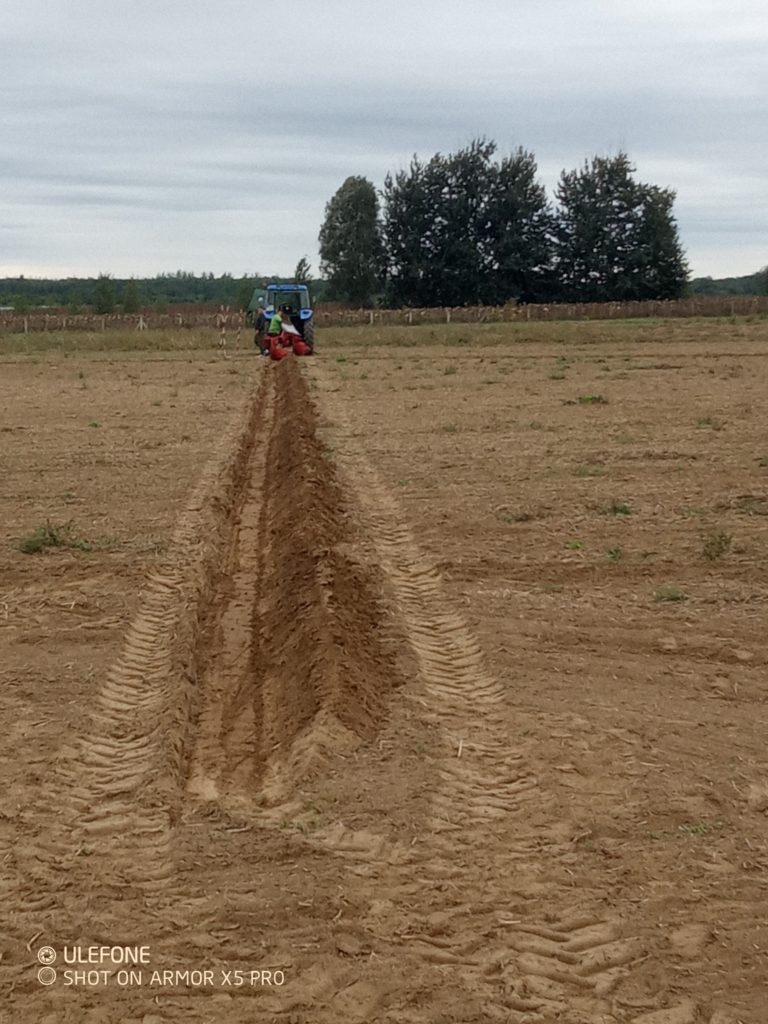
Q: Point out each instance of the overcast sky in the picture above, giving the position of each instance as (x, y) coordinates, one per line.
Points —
(142, 137)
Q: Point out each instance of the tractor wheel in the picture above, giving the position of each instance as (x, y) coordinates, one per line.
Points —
(309, 334)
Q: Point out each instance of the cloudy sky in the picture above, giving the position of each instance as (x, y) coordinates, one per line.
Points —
(142, 137)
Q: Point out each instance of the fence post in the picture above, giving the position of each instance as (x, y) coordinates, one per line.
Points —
(26, 326)
(447, 315)
(370, 318)
(410, 317)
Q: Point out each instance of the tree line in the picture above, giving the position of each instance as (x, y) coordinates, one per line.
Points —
(748, 284)
(107, 294)
(469, 228)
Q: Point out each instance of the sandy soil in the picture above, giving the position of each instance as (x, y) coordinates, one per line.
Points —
(415, 684)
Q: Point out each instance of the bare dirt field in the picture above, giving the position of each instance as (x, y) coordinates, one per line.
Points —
(423, 681)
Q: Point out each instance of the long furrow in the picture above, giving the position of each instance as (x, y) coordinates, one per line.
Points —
(535, 948)
(297, 672)
(226, 753)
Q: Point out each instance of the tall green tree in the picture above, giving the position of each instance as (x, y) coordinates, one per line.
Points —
(350, 242)
(131, 299)
(303, 272)
(465, 229)
(519, 233)
(245, 289)
(434, 216)
(616, 238)
(104, 294)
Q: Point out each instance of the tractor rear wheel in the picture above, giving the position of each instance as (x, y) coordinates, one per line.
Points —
(309, 334)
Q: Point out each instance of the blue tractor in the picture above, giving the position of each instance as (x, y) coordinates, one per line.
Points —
(266, 300)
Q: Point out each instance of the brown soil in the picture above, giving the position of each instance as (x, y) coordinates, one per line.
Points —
(395, 704)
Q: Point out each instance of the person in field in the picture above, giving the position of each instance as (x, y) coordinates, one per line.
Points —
(260, 329)
(286, 335)
(279, 344)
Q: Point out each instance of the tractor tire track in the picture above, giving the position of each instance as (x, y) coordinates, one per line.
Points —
(105, 816)
(493, 825)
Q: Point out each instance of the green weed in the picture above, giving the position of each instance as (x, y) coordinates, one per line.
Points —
(699, 828)
(51, 536)
(710, 421)
(618, 508)
(716, 545)
(669, 592)
(592, 400)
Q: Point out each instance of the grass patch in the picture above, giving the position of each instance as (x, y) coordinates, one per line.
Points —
(669, 592)
(52, 536)
(751, 505)
(717, 544)
(592, 400)
(712, 422)
(618, 508)
(614, 554)
(523, 516)
(699, 828)
(588, 471)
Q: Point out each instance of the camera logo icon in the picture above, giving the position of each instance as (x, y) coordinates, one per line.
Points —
(46, 955)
